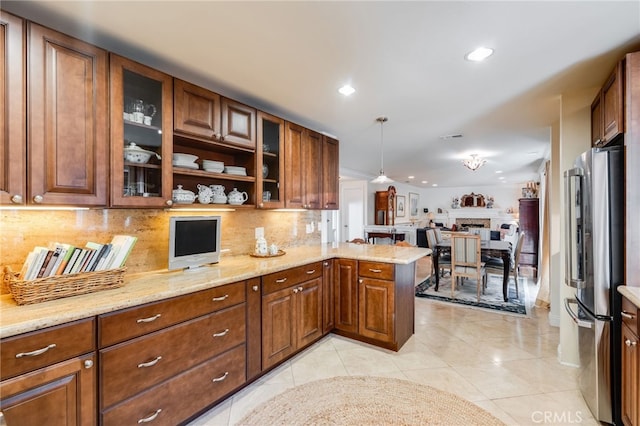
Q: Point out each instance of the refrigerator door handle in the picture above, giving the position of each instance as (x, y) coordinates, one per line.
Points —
(574, 316)
(574, 229)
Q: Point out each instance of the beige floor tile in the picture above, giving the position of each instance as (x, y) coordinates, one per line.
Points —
(496, 381)
(447, 379)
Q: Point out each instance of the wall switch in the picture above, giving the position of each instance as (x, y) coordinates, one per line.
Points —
(259, 232)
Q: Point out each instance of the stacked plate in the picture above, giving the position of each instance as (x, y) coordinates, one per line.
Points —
(185, 160)
(213, 166)
(235, 170)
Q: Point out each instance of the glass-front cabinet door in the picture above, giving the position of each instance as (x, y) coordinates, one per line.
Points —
(141, 135)
(270, 161)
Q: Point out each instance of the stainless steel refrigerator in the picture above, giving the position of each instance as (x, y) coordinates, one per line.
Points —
(594, 199)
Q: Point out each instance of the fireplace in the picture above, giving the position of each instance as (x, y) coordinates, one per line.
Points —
(471, 222)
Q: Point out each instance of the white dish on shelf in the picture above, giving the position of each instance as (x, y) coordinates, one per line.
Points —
(184, 158)
(213, 164)
(235, 170)
(213, 169)
(193, 166)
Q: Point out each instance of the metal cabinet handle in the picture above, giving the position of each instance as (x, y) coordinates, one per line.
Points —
(150, 319)
(360, 281)
(313, 271)
(326, 263)
(376, 271)
(254, 288)
(151, 417)
(300, 289)
(630, 343)
(16, 199)
(222, 333)
(88, 364)
(38, 199)
(220, 299)
(295, 290)
(36, 352)
(627, 315)
(221, 378)
(169, 202)
(150, 363)
(281, 280)
(3, 422)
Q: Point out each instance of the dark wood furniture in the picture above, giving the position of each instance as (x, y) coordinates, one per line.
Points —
(394, 236)
(530, 225)
(303, 165)
(491, 248)
(48, 376)
(630, 364)
(607, 109)
(270, 158)
(385, 207)
(632, 169)
(330, 173)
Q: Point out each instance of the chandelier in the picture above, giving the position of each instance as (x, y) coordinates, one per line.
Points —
(473, 163)
(382, 178)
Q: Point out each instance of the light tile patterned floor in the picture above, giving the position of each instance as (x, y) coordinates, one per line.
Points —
(503, 363)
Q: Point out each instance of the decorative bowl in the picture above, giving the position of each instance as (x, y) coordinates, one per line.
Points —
(134, 154)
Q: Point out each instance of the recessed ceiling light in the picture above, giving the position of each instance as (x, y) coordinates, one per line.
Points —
(501, 177)
(425, 181)
(347, 90)
(480, 54)
(498, 171)
(411, 177)
(435, 184)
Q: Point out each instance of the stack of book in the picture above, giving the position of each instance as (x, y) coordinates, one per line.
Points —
(61, 259)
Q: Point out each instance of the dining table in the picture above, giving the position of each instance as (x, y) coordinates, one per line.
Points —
(490, 248)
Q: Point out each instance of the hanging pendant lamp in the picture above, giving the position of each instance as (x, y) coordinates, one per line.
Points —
(382, 178)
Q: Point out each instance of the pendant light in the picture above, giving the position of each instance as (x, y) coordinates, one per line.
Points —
(382, 178)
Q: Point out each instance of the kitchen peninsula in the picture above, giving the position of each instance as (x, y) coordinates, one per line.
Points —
(212, 330)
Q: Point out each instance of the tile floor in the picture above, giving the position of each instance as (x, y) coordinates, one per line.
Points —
(503, 363)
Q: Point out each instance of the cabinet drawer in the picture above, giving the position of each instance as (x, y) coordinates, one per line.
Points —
(30, 351)
(381, 271)
(293, 276)
(131, 367)
(123, 325)
(182, 396)
(631, 315)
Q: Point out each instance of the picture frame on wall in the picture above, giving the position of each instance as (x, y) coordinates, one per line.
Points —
(401, 205)
(413, 204)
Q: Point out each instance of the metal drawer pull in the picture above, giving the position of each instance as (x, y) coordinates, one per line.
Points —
(36, 352)
(313, 271)
(221, 378)
(281, 280)
(151, 417)
(150, 363)
(222, 333)
(377, 271)
(630, 343)
(295, 290)
(254, 288)
(300, 289)
(220, 299)
(150, 319)
(627, 315)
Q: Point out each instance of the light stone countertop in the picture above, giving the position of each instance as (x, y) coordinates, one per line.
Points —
(158, 285)
(631, 293)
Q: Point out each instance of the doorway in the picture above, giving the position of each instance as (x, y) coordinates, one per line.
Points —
(353, 209)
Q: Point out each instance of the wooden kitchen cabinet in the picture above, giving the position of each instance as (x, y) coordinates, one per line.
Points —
(13, 150)
(49, 376)
(328, 297)
(185, 344)
(65, 159)
(135, 184)
(303, 163)
(330, 173)
(374, 302)
(270, 160)
(630, 364)
(291, 312)
(607, 109)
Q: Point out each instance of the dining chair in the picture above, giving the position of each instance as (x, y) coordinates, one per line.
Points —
(444, 260)
(438, 233)
(495, 266)
(466, 261)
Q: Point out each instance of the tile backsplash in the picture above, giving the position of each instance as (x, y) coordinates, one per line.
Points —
(22, 230)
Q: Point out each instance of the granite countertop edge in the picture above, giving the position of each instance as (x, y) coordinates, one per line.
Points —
(153, 286)
(631, 293)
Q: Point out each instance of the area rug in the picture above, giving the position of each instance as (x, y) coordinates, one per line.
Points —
(466, 294)
(367, 401)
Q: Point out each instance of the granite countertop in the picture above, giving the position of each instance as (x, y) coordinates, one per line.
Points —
(631, 293)
(158, 285)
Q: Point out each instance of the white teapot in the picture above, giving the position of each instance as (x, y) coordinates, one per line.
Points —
(183, 196)
(236, 197)
(205, 194)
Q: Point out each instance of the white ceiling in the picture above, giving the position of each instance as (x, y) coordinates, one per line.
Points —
(405, 60)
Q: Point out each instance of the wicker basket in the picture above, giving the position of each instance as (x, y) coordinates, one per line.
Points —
(59, 286)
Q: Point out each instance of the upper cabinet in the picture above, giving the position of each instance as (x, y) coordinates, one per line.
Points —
(13, 155)
(270, 158)
(303, 161)
(141, 130)
(607, 110)
(64, 136)
(330, 173)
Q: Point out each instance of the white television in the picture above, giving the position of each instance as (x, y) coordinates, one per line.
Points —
(194, 241)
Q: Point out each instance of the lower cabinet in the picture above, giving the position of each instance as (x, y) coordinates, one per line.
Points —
(630, 365)
(291, 311)
(328, 298)
(49, 376)
(374, 302)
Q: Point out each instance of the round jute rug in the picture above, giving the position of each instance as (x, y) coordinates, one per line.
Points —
(367, 401)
